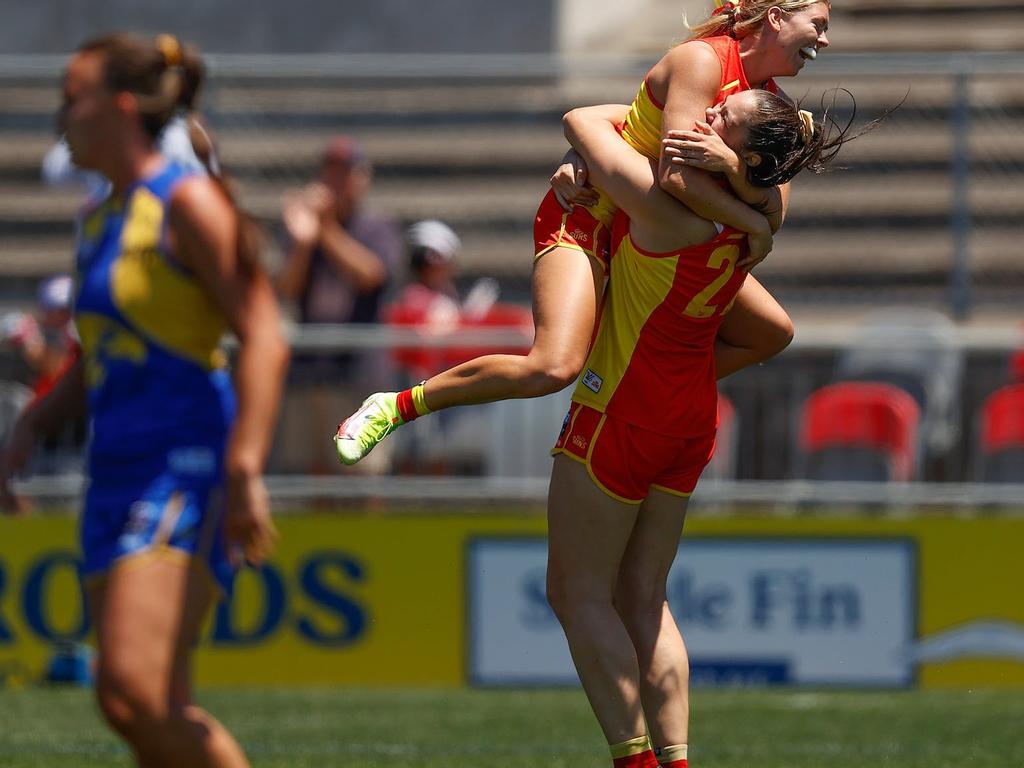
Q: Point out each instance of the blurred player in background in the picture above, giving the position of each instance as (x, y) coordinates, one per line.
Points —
(166, 264)
(744, 43)
(624, 470)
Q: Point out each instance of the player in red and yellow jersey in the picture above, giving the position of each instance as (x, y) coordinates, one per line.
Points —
(642, 424)
(744, 44)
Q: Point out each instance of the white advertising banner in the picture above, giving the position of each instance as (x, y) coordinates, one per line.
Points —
(783, 611)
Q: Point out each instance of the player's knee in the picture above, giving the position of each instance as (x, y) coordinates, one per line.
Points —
(565, 597)
(639, 598)
(127, 706)
(776, 336)
(558, 596)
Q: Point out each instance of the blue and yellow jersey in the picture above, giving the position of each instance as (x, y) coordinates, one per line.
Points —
(156, 377)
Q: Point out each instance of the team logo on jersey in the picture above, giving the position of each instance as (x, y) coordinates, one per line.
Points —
(580, 236)
(592, 381)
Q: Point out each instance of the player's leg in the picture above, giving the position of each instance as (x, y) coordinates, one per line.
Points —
(756, 328)
(143, 650)
(587, 533)
(640, 599)
(566, 286)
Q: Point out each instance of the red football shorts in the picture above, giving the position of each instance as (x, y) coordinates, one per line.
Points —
(582, 230)
(626, 461)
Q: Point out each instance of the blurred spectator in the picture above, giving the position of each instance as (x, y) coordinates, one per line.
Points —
(339, 259)
(433, 246)
(46, 339)
(431, 302)
(339, 256)
(47, 342)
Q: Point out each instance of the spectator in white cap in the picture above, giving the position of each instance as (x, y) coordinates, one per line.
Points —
(433, 246)
(430, 301)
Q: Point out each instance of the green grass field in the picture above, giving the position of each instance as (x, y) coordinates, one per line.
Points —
(302, 728)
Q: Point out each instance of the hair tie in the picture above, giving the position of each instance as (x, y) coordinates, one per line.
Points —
(806, 125)
(725, 6)
(169, 46)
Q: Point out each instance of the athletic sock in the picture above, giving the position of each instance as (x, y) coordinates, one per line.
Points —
(411, 404)
(672, 757)
(635, 753)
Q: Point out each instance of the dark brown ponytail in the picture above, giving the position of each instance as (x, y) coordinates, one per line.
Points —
(789, 140)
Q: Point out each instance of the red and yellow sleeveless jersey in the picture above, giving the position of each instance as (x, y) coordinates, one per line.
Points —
(651, 362)
(643, 124)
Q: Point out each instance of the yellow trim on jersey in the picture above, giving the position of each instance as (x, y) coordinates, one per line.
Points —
(670, 491)
(729, 86)
(164, 303)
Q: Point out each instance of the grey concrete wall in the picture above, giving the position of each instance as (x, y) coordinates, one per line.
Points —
(290, 26)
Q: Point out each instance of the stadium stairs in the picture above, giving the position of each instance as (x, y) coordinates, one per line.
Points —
(477, 154)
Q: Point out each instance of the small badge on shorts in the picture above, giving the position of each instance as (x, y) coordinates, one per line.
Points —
(565, 424)
(592, 381)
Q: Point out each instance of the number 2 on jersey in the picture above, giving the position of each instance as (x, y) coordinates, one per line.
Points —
(699, 306)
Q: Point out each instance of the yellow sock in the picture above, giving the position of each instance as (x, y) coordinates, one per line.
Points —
(418, 401)
(672, 754)
(632, 747)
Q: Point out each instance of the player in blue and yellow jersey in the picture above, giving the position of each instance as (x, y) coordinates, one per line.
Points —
(624, 469)
(165, 266)
(744, 44)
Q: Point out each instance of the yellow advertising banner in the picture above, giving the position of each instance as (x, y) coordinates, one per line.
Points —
(397, 599)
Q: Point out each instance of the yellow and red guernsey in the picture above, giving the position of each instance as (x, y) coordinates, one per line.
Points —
(652, 363)
(643, 127)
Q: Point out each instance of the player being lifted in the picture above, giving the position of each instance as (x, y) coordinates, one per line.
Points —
(744, 43)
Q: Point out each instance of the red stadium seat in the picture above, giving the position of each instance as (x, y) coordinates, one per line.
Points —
(1001, 436)
(861, 431)
(1017, 365)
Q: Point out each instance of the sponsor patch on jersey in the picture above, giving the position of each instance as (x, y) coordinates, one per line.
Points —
(592, 381)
